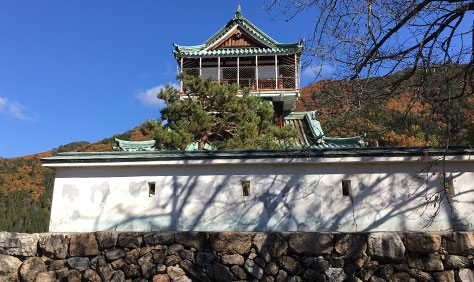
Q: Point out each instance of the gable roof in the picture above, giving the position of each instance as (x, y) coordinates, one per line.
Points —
(256, 42)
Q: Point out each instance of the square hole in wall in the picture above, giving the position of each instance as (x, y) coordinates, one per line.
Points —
(346, 188)
(449, 186)
(151, 189)
(245, 188)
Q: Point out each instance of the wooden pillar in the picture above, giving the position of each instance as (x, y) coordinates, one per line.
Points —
(276, 72)
(181, 80)
(200, 66)
(238, 71)
(297, 72)
(219, 69)
(256, 72)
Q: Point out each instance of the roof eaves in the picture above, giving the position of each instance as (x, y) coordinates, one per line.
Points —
(330, 151)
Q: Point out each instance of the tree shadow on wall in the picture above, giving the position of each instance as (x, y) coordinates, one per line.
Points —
(282, 202)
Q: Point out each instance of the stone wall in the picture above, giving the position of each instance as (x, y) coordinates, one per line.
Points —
(233, 256)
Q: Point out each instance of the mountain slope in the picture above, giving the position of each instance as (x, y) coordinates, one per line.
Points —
(411, 115)
(26, 187)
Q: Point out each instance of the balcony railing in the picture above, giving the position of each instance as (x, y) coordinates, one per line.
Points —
(257, 78)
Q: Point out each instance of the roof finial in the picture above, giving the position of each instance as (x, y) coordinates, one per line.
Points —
(238, 13)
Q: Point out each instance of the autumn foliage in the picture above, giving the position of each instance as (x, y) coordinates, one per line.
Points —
(409, 116)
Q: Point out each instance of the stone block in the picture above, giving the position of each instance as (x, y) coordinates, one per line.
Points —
(114, 254)
(234, 259)
(466, 274)
(269, 246)
(9, 266)
(72, 275)
(459, 243)
(130, 240)
(159, 238)
(78, 263)
(279, 247)
(187, 254)
(254, 270)
(271, 269)
(282, 276)
(54, 245)
(400, 277)
(106, 239)
(385, 246)
(350, 245)
(57, 264)
(430, 262)
(318, 264)
(457, 262)
(30, 268)
(336, 274)
(131, 270)
(231, 243)
(172, 260)
(175, 249)
(290, 265)
(196, 240)
(239, 272)
(161, 278)
(183, 278)
(197, 273)
(422, 242)
(133, 255)
(146, 265)
(83, 244)
(311, 244)
(18, 244)
(218, 272)
(444, 276)
(203, 259)
(107, 272)
(421, 275)
(48, 276)
(313, 275)
(118, 276)
(92, 276)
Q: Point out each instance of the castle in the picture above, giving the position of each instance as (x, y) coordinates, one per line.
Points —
(327, 184)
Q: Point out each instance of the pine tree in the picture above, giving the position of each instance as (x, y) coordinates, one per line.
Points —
(220, 116)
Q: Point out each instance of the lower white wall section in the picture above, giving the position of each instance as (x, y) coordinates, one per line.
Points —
(344, 194)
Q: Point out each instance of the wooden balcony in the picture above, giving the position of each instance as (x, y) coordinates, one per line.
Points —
(284, 78)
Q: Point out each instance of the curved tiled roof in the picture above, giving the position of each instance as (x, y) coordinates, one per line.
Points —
(311, 134)
(271, 47)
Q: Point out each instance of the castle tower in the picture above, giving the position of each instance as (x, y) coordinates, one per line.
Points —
(241, 53)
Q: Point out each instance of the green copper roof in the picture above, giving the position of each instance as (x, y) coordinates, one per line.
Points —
(311, 134)
(133, 146)
(270, 46)
(292, 154)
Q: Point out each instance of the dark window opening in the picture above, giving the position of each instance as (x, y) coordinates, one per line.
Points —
(151, 189)
(245, 188)
(346, 188)
(449, 186)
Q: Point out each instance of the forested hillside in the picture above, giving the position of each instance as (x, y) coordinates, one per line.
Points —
(408, 116)
(26, 187)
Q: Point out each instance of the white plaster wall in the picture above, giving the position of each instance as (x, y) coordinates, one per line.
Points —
(287, 196)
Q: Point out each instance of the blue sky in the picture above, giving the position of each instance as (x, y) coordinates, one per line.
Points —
(86, 70)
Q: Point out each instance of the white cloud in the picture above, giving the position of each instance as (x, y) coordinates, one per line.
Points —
(15, 109)
(313, 73)
(149, 97)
